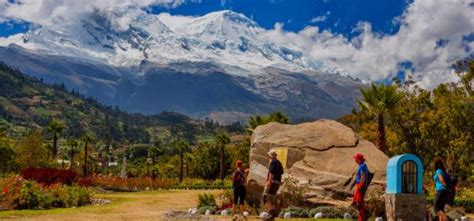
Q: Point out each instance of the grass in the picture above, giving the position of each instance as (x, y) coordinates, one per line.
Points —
(125, 206)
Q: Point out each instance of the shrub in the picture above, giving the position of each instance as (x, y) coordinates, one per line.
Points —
(19, 193)
(202, 210)
(294, 193)
(49, 176)
(296, 212)
(206, 200)
(375, 204)
(333, 212)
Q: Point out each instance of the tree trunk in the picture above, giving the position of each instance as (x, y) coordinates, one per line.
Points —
(221, 172)
(381, 141)
(153, 175)
(55, 145)
(107, 160)
(181, 158)
(187, 167)
(71, 163)
(85, 161)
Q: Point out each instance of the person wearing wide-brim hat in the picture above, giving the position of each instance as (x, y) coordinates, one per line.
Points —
(272, 184)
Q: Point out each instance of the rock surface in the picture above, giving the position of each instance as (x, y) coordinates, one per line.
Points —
(318, 155)
(409, 207)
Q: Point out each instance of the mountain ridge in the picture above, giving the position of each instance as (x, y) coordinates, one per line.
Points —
(147, 66)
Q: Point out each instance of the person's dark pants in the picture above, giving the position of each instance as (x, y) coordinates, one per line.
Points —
(441, 198)
(239, 195)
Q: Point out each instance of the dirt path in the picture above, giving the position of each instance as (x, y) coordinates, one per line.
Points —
(125, 206)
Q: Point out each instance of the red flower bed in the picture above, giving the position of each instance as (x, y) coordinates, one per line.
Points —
(48, 176)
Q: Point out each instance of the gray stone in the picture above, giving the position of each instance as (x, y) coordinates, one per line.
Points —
(318, 215)
(407, 207)
(347, 216)
(287, 215)
(263, 215)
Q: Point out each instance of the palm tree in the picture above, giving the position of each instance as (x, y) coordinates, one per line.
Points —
(55, 127)
(379, 100)
(258, 120)
(72, 143)
(86, 139)
(222, 140)
(153, 152)
(181, 147)
(278, 117)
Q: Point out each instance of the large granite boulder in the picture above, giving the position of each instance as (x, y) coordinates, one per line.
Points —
(319, 155)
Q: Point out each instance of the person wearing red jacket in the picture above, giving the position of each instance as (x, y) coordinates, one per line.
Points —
(360, 187)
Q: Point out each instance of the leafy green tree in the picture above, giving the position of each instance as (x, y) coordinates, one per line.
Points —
(7, 157)
(380, 100)
(86, 139)
(222, 139)
(206, 162)
(30, 152)
(55, 127)
(154, 152)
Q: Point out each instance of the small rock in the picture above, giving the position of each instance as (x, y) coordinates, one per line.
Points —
(208, 212)
(189, 210)
(224, 213)
(193, 211)
(347, 216)
(318, 215)
(287, 215)
(379, 219)
(264, 215)
(245, 213)
(464, 218)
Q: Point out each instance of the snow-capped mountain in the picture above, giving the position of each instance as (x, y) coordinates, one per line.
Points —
(217, 63)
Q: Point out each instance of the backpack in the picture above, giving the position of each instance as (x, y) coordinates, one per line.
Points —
(238, 179)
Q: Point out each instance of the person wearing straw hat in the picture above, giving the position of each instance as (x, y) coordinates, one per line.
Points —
(361, 185)
(273, 182)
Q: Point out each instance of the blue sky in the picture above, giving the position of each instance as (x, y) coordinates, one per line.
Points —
(338, 16)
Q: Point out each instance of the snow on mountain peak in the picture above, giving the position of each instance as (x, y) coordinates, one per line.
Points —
(130, 37)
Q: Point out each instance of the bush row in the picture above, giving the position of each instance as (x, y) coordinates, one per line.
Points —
(140, 184)
(49, 176)
(18, 193)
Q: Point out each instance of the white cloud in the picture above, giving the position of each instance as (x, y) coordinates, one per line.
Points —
(371, 56)
(41, 11)
(320, 18)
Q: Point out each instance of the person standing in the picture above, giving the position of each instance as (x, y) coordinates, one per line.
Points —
(273, 182)
(239, 179)
(361, 186)
(441, 180)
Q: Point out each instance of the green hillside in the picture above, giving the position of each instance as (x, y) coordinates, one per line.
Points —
(27, 102)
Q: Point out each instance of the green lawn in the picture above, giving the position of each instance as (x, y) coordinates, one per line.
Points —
(124, 206)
